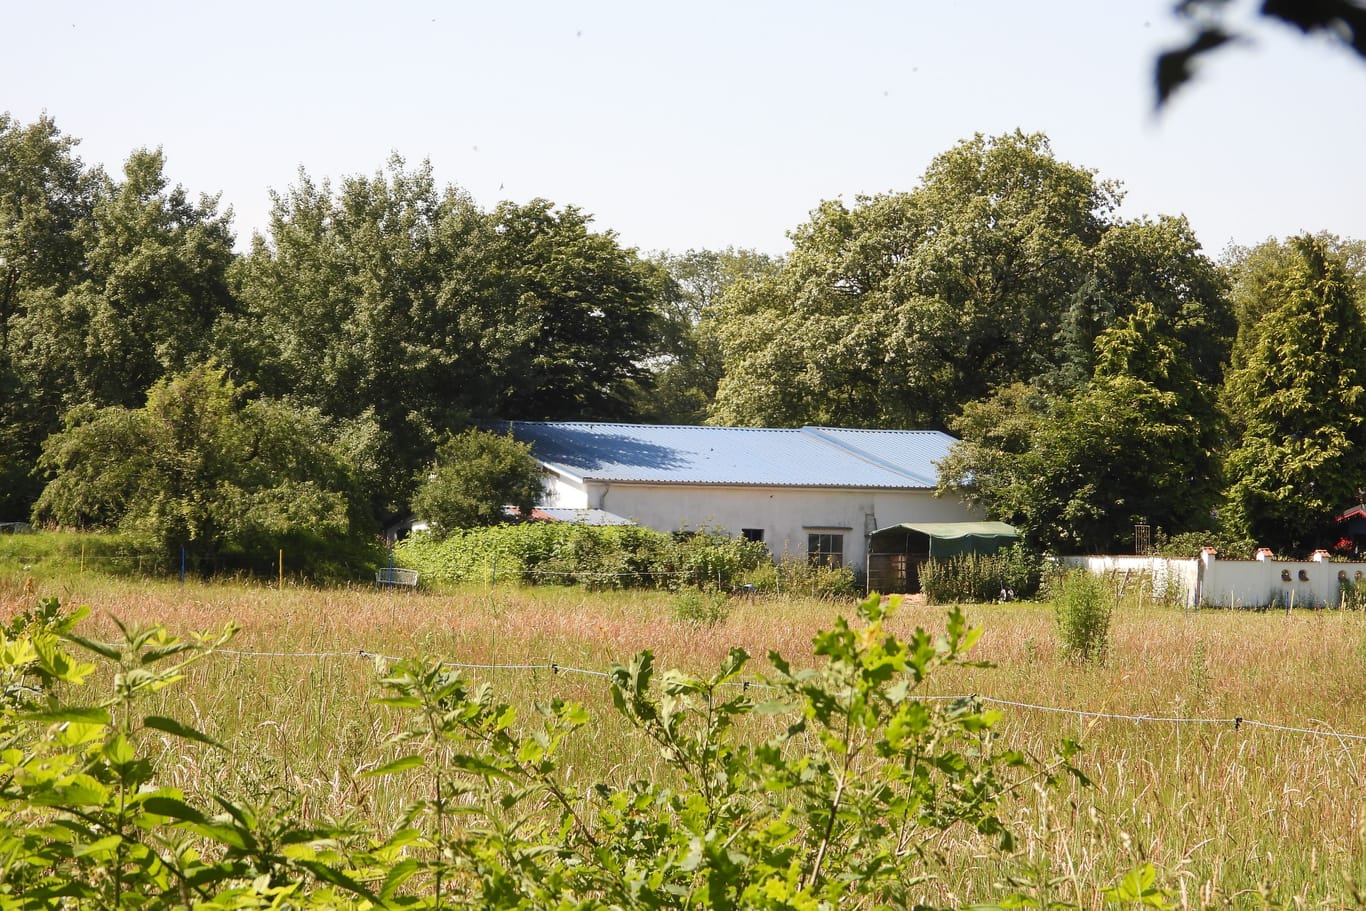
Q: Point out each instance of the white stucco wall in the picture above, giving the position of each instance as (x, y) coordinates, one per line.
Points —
(786, 514)
(1211, 582)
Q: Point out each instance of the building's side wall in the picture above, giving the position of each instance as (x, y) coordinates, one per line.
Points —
(786, 515)
(564, 492)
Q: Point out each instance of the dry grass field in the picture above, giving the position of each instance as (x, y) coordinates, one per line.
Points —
(1232, 815)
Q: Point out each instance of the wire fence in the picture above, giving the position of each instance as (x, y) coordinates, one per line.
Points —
(1237, 722)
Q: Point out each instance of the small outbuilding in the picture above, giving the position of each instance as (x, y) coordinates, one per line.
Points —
(896, 553)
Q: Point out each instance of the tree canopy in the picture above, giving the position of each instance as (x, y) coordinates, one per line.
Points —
(380, 317)
(476, 475)
(1298, 402)
(204, 468)
(1002, 266)
(1077, 470)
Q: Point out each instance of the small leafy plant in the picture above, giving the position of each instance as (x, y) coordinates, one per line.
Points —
(1082, 608)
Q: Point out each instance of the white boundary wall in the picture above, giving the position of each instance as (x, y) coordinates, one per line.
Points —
(1210, 582)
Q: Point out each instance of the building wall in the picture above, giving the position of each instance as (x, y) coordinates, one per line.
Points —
(1261, 583)
(786, 515)
(1211, 582)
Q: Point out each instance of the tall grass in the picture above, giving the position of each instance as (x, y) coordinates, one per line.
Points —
(1225, 812)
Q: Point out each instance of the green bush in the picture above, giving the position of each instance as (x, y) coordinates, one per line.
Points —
(701, 607)
(597, 556)
(205, 474)
(1188, 544)
(474, 475)
(1082, 609)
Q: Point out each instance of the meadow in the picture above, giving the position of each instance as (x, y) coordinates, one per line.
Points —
(1269, 811)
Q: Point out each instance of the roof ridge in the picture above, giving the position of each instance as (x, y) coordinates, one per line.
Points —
(655, 426)
(856, 452)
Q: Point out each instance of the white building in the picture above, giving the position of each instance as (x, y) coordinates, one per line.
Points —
(815, 491)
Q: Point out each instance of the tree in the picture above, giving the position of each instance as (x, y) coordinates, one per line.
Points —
(1076, 470)
(390, 301)
(690, 365)
(1297, 404)
(202, 466)
(475, 476)
(1252, 271)
(152, 284)
(45, 194)
(586, 315)
(1159, 263)
(897, 311)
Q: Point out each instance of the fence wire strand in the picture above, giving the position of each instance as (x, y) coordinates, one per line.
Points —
(1237, 722)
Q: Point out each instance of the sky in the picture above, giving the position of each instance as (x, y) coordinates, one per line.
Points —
(700, 124)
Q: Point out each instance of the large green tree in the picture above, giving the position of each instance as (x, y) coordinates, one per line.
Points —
(151, 285)
(689, 366)
(45, 194)
(1077, 470)
(1002, 266)
(345, 307)
(586, 315)
(1298, 401)
(393, 302)
(1253, 272)
(203, 467)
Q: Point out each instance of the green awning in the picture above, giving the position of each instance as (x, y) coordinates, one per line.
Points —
(948, 531)
(946, 539)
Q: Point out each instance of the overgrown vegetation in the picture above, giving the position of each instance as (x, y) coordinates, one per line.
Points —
(843, 802)
(1091, 363)
(1227, 545)
(1082, 607)
(614, 556)
(205, 474)
(1013, 573)
(1225, 814)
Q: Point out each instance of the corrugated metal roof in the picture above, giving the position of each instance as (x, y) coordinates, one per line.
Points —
(578, 516)
(806, 457)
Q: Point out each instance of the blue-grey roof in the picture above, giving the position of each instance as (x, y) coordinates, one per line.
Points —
(580, 516)
(805, 457)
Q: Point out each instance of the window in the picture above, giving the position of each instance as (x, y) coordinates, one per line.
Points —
(753, 534)
(825, 549)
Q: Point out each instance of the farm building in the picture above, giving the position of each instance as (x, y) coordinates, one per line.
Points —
(817, 492)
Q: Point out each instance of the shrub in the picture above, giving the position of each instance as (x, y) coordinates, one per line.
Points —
(700, 607)
(798, 575)
(204, 472)
(475, 474)
(1082, 608)
(615, 556)
(1188, 544)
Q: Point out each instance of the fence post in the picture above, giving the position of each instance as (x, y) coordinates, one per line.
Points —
(282, 569)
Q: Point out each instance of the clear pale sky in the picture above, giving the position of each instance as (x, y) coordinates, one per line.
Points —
(699, 123)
